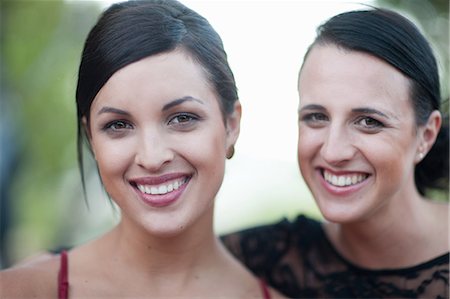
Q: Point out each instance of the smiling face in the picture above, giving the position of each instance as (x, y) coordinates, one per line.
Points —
(160, 141)
(358, 141)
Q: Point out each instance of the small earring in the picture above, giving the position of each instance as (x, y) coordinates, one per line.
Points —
(230, 152)
(421, 155)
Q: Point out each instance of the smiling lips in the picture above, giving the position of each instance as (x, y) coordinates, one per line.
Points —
(161, 191)
(163, 188)
(343, 180)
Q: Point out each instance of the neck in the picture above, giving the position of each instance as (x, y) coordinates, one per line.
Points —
(144, 250)
(163, 268)
(132, 262)
(385, 239)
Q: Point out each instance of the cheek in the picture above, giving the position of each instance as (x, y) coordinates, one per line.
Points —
(308, 144)
(205, 148)
(111, 159)
(206, 153)
(391, 159)
(390, 171)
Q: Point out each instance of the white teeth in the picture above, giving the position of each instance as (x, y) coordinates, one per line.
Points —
(162, 189)
(348, 181)
(334, 180)
(343, 180)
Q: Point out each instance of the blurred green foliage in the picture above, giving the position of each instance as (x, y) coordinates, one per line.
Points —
(41, 46)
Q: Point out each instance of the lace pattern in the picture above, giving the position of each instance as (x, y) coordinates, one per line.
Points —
(297, 259)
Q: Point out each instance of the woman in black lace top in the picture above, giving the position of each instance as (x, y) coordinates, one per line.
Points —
(371, 143)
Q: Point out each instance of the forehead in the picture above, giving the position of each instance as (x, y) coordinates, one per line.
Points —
(341, 75)
(163, 76)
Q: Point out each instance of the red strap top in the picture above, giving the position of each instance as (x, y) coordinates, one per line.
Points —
(63, 280)
(265, 289)
(63, 277)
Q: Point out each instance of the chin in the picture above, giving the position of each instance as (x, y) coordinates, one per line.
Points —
(167, 233)
(337, 218)
(338, 213)
(167, 228)
(164, 232)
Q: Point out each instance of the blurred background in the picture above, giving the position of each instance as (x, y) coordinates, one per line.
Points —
(42, 205)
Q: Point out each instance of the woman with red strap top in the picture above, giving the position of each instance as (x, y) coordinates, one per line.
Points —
(158, 107)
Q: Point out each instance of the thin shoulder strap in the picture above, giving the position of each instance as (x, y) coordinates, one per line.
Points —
(63, 277)
(265, 289)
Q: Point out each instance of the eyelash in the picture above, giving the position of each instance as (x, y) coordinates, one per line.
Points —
(189, 120)
(181, 121)
(374, 127)
(314, 118)
(111, 126)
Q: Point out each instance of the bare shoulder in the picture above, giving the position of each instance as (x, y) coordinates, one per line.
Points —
(250, 286)
(257, 290)
(36, 278)
(274, 294)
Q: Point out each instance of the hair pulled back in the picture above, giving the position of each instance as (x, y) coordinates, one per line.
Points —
(391, 37)
(130, 31)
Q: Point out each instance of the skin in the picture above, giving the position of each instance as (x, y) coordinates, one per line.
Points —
(356, 121)
(178, 130)
(154, 118)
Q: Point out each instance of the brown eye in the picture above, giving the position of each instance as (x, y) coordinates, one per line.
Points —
(314, 119)
(183, 119)
(369, 122)
(118, 125)
(369, 125)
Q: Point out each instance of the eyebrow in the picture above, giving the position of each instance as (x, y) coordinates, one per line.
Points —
(112, 110)
(180, 101)
(166, 107)
(312, 107)
(367, 110)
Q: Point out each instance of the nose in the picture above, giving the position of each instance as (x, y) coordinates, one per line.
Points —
(337, 148)
(153, 151)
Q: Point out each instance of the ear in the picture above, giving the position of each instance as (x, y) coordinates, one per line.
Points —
(233, 125)
(428, 134)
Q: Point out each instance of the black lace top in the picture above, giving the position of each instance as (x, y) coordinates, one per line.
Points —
(297, 259)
